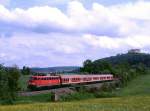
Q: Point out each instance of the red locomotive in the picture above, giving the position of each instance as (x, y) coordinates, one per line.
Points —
(48, 81)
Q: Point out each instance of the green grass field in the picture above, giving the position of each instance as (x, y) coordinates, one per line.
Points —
(138, 86)
(134, 97)
(133, 103)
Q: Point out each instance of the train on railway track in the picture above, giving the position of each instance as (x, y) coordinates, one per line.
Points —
(40, 81)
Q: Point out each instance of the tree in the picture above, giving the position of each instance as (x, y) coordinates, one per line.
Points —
(87, 66)
(3, 83)
(26, 70)
(13, 81)
(9, 84)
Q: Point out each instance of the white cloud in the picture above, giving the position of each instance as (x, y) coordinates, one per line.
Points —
(41, 49)
(136, 41)
(139, 10)
(4, 2)
(61, 49)
(70, 37)
(98, 19)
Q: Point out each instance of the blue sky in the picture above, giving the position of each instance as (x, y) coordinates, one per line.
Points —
(44, 33)
(57, 3)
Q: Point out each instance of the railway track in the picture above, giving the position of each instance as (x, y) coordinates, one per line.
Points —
(68, 89)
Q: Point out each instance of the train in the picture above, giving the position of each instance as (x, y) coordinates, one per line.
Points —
(41, 81)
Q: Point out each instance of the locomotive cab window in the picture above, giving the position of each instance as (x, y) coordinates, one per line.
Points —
(33, 78)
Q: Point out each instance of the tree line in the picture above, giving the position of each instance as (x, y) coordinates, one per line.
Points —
(124, 66)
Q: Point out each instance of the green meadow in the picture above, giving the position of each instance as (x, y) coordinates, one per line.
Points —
(133, 103)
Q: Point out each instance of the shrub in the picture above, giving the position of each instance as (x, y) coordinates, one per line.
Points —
(76, 96)
(8, 84)
(104, 94)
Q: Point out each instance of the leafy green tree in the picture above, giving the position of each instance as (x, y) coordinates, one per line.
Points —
(87, 66)
(3, 83)
(13, 81)
(25, 70)
(9, 84)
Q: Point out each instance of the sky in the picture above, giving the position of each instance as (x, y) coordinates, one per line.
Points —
(46, 33)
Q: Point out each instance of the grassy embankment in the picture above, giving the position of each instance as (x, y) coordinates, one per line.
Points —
(139, 86)
(134, 97)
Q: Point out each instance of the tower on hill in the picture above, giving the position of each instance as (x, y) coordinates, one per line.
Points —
(134, 51)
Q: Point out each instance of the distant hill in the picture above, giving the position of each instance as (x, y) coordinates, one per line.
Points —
(138, 62)
(131, 58)
(59, 69)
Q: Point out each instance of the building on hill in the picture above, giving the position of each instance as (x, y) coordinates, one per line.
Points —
(134, 51)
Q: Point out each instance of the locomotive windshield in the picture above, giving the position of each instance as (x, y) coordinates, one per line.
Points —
(33, 78)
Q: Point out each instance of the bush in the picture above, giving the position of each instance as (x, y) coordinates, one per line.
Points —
(104, 94)
(9, 85)
(77, 96)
